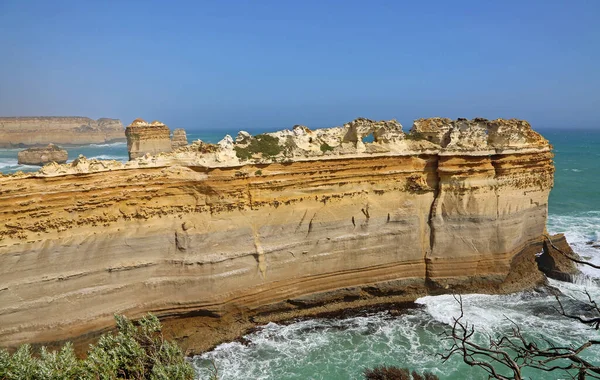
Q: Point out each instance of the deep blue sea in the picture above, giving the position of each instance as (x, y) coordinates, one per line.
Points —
(341, 348)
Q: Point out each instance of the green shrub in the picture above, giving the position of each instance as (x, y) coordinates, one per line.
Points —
(414, 135)
(258, 172)
(242, 153)
(267, 145)
(326, 148)
(133, 352)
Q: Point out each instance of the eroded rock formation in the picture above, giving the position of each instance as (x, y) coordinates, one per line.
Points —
(147, 138)
(214, 238)
(179, 138)
(32, 131)
(42, 156)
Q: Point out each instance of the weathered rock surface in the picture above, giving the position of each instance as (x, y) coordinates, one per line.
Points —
(214, 238)
(42, 156)
(147, 138)
(33, 131)
(179, 138)
(556, 259)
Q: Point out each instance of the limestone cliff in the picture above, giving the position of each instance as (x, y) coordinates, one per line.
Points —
(272, 225)
(31, 131)
(147, 138)
(42, 156)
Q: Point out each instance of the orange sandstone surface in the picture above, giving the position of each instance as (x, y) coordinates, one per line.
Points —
(214, 243)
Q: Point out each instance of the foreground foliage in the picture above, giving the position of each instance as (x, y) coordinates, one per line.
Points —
(133, 352)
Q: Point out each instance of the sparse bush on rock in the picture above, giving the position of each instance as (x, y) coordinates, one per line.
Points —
(267, 145)
(326, 148)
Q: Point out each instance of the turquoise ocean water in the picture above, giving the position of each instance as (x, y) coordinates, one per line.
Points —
(342, 348)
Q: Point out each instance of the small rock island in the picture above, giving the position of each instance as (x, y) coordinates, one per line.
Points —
(42, 156)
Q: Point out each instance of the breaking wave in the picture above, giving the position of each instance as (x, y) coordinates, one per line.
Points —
(109, 157)
(343, 348)
(121, 144)
(583, 234)
(11, 165)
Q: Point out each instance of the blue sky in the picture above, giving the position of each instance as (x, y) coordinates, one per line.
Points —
(273, 64)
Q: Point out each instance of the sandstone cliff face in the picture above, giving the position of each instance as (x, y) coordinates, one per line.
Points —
(15, 131)
(147, 138)
(42, 156)
(179, 138)
(203, 233)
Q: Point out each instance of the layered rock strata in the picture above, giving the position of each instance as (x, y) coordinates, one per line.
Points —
(35, 131)
(280, 224)
(179, 138)
(147, 138)
(42, 156)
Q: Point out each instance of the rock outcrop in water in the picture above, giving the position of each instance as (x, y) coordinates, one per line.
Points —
(216, 237)
(147, 138)
(179, 138)
(42, 156)
(36, 131)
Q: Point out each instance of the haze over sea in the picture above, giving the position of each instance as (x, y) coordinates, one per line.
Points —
(341, 348)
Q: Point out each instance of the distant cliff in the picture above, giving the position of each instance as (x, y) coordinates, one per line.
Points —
(213, 238)
(37, 131)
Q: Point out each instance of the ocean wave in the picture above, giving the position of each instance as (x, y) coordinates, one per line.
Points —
(8, 162)
(109, 157)
(583, 233)
(327, 349)
(111, 145)
(9, 165)
(577, 228)
(342, 348)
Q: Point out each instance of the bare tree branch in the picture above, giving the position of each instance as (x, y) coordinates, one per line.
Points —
(593, 322)
(572, 258)
(512, 352)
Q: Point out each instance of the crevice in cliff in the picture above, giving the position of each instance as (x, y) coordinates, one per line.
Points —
(310, 225)
(432, 214)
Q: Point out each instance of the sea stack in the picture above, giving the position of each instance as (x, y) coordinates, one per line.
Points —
(42, 156)
(144, 137)
(179, 138)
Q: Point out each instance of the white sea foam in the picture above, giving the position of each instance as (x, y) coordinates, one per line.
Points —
(583, 233)
(109, 157)
(341, 349)
(111, 145)
(10, 165)
(8, 162)
(326, 349)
